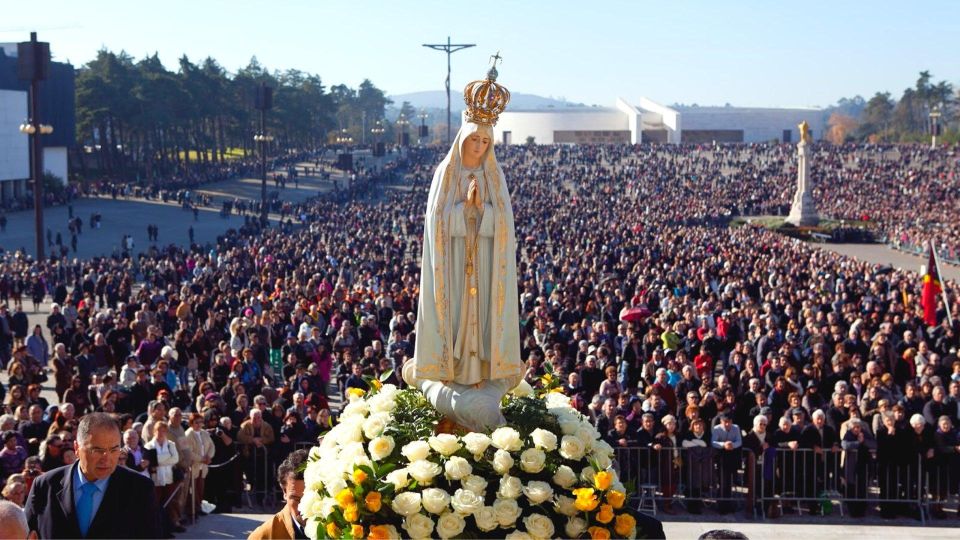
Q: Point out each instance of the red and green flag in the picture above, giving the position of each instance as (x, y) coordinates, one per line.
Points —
(931, 289)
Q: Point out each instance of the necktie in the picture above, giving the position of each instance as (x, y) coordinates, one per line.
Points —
(85, 506)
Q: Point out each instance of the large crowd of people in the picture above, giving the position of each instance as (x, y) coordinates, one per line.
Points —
(681, 338)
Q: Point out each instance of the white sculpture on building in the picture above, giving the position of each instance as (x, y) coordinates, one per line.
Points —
(803, 211)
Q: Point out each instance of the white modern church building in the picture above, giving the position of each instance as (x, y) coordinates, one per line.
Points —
(648, 121)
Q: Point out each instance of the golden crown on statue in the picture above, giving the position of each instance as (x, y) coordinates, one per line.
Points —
(486, 99)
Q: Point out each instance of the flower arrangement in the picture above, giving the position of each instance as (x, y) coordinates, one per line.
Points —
(384, 471)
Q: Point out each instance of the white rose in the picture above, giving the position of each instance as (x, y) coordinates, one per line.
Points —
(569, 427)
(335, 485)
(510, 487)
(449, 525)
(575, 527)
(523, 389)
(423, 471)
(388, 391)
(381, 447)
(506, 438)
(399, 478)
(538, 526)
(532, 460)
(618, 485)
(556, 400)
(587, 474)
(466, 502)
(444, 444)
(327, 506)
(571, 447)
(416, 450)
(587, 434)
(502, 462)
(348, 432)
(406, 503)
(507, 511)
(457, 468)
(603, 460)
(564, 477)
(381, 403)
(358, 407)
(602, 447)
(476, 443)
(486, 519)
(517, 535)
(306, 507)
(374, 425)
(566, 506)
(312, 477)
(418, 526)
(544, 440)
(476, 484)
(537, 491)
(435, 500)
(351, 455)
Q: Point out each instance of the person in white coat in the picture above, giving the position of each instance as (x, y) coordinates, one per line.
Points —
(201, 452)
(167, 457)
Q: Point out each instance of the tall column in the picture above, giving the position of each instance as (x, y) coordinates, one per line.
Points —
(803, 211)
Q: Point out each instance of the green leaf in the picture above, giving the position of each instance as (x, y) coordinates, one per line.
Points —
(386, 375)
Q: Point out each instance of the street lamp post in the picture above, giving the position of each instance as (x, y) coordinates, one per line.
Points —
(263, 101)
(33, 65)
(402, 122)
(423, 126)
(377, 130)
(934, 126)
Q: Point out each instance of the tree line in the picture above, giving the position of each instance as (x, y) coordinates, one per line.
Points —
(907, 119)
(139, 116)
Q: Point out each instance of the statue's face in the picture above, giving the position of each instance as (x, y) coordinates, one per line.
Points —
(475, 146)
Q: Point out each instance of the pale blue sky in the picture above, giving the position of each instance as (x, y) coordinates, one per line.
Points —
(750, 53)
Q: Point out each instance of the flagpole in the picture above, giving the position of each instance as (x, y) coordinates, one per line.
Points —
(943, 283)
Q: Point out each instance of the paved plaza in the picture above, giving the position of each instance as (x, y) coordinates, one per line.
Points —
(241, 525)
(131, 216)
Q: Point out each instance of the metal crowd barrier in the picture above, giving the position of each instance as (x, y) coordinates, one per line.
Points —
(804, 480)
(691, 477)
(258, 472)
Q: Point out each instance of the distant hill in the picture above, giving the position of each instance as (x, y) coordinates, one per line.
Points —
(437, 99)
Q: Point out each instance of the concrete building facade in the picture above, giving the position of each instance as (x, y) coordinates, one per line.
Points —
(652, 122)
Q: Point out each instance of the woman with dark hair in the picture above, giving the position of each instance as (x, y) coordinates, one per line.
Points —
(51, 453)
(77, 395)
(34, 397)
(291, 432)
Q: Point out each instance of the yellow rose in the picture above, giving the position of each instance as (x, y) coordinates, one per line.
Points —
(356, 531)
(332, 530)
(602, 480)
(599, 533)
(586, 500)
(345, 497)
(356, 392)
(379, 532)
(624, 524)
(605, 515)
(376, 384)
(372, 501)
(359, 476)
(351, 513)
(616, 498)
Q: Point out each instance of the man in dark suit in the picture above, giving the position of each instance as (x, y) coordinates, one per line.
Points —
(93, 498)
(287, 523)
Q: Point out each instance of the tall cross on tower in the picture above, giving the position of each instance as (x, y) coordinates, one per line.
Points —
(448, 48)
(495, 58)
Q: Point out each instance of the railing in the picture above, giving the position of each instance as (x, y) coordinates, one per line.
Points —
(851, 481)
